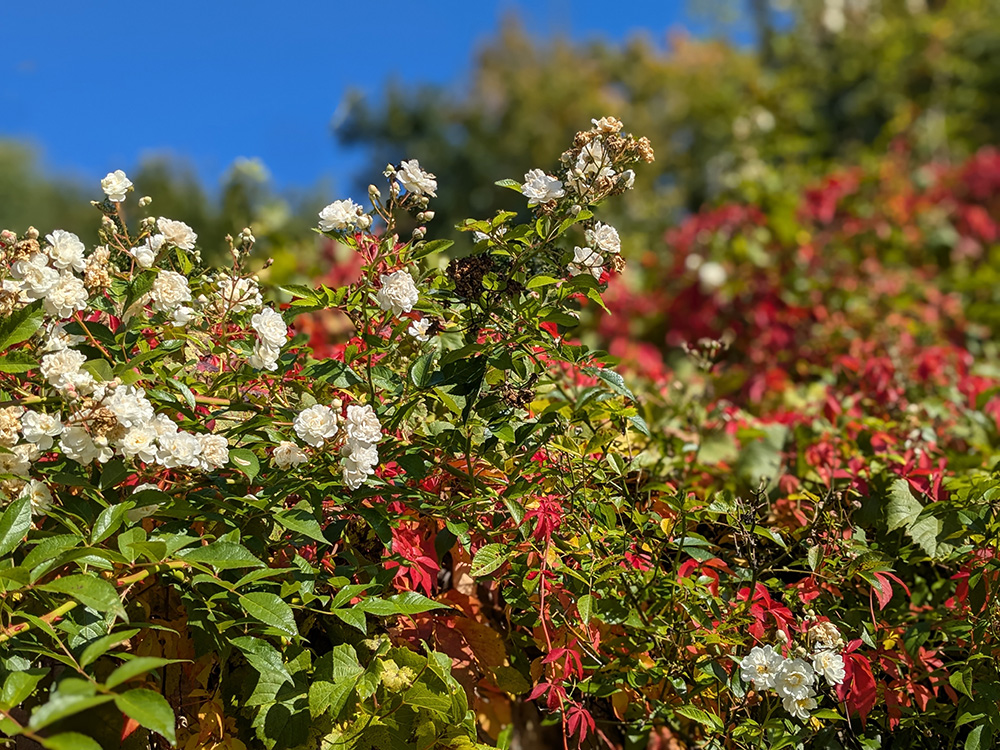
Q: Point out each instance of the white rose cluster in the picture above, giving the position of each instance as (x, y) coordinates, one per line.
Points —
(272, 333)
(360, 451)
(238, 295)
(146, 252)
(343, 216)
(177, 233)
(50, 275)
(398, 293)
(602, 241)
(792, 679)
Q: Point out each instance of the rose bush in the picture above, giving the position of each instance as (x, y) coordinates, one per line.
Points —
(456, 523)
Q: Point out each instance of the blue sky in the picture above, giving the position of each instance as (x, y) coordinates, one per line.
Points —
(215, 80)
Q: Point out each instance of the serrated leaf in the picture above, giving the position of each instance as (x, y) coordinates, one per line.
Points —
(613, 379)
(584, 606)
(20, 325)
(904, 511)
(488, 559)
(536, 282)
(17, 362)
(270, 610)
(353, 617)
(702, 717)
(301, 519)
(510, 185)
(150, 709)
(102, 645)
(221, 556)
(245, 461)
(14, 524)
(19, 685)
(422, 369)
(90, 591)
(108, 521)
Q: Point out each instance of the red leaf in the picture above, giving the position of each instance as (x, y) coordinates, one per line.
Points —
(130, 726)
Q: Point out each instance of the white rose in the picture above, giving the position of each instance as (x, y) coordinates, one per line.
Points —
(35, 275)
(270, 327)
(398, 293)
(586, 260)
(66, 250)
(539, 187)
(604, 237)
(139, 442)
(115, 185)
(214, 451)
(829, 664)
(61, 367)
(800, 704)
(130, 406)
(169, 290)
(761, 667)
(180, 449)
(177, 233)
(795, 678)
(418, 329)
(340, 216)
(264, 357)
(40, 429)
(362, 425)
(145, 254)
(287, 453)
(316, 424)
(76, 444)
(416, 180)
(182, 315)
(66, 296)
(41, 498)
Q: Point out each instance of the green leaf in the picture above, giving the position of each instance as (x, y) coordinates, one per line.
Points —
(19, 361)
(90, 591)
(962, 682)
(140, 665)
(245, 461)
(70, 741)
(333, 680)
(509, 184)
(422, 369)
(975, 740)
(108, 522)
(14, 524)
(221, 556)
(510, 680)
(20, 325)
(407, 603)
(424, 249)
(702, 717)
(271, 610)
(640, 425)
(18, 686)
(585, 606)
(150, 709)
(71, 696)
(539, 281)
(102, 645)
(301, 519)
(488, 559)
(353, 617)
(264, 657)
(904, 510)
(612, 378)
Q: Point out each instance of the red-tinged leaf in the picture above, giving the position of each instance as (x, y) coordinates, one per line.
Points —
(858, 691)
(883, 591)
(538, 690)
(130, 726)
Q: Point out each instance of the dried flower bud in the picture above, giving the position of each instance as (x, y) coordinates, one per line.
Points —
(31, 234)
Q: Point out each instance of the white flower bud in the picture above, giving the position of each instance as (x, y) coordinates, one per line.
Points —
(145, 201)
(374, 192)
(419, 232)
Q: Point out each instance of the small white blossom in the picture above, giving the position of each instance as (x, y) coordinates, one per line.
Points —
(539, 187)
(761, 666)
(316, 424)
(711, 276)
(287, 454)
(182, 315)
(139, 442)
(115, 185)
(800, 704)
(62, 367)
(180, 449)
(826, 635)
(264, 357)
(795, 677)
(586, 260)
(66, 296)
(177, 233)
(415, 179)
(18, 461)
(418, 329)
(35, 275)
(270, 327)
(342, 215)
(362, 424)
(40, 497)
(604, 237)
(829, 664)
(214, 451)
(66, 250)
(40, 428)
(164, 426)
(398, 293)
(170, 289)
(629, 175)
(77, 444)
(145, 254)
(607, 125)
(130, 406)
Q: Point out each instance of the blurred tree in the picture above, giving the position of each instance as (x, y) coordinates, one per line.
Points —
(836, 80)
